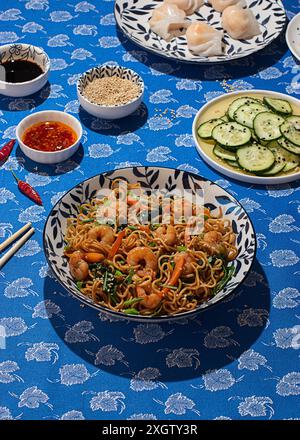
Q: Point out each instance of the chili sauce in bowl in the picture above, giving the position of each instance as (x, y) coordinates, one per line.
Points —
(49, 136)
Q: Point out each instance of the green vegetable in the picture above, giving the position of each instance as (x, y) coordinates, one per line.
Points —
(132, 228)
(181, 248)
(152, 244)
(79, 285)
(169, 287)
(128, 279)
(206, 217)
(67, 248)
(87, 220)
(229, 272)
(132, 301)
(131, 312)
(118, 273)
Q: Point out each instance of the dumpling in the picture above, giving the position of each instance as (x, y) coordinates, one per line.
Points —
(203, 39)
(188, 6)
(240, 23)
(167, 20)
(220, 5)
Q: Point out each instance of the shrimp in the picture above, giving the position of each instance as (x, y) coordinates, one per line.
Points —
(79, 268)
(188, 267)
(213, 242)
(142, 255)
(167, 234)
(103, 233)
(150, 300)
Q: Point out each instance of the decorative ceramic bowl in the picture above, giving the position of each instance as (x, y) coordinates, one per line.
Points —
(149, 177)
(292, 36)
(49, 157)
(217, 108)
(106, 111)
(29, 53)
(133, 17)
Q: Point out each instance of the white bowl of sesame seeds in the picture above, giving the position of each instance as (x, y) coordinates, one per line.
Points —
(110, 92)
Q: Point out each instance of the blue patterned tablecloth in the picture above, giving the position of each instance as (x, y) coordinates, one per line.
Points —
(239, 360)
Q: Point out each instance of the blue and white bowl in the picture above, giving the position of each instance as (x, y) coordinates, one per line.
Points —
(109, 111)
(152, 178)
(27, 52)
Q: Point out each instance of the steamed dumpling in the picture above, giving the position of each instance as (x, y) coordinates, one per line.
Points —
(188, 6)
(240, 23)
(203, 39)
(220, 5)
(167, 20)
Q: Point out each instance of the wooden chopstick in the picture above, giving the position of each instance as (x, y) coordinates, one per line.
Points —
(15, 247)
(13, 237)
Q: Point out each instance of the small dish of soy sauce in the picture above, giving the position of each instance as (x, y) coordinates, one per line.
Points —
(24, 69)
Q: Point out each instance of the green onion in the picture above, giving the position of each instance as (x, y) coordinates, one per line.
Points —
(132, 301)
(128, 279)
(132, 228)
(169, 287)
(152, 244)
(181, 248)
(67, 248)
(172, 264)
(229, 271)
(206, 217)
(79, 285)
(87, 220)
(118, 273)
(122, 261)
(131, 312)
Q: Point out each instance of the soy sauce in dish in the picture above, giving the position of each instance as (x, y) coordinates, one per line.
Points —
(18, 71)
(49, 136)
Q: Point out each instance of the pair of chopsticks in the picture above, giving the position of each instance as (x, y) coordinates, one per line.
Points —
(30, 230)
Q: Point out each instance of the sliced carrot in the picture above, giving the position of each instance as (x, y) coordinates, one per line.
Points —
(176, 273)
(145, 228)
(93, 257)
(117, 244)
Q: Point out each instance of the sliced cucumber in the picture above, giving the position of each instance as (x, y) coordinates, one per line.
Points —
(278, 105)
(231, 134)
(282, 156)
(255, 158)
(288, 145)
(222, 153)
(267, 126)
(291, 129)
(233, 163)
(279, 163)
(246, 113)
(205, 129)
(238, 103)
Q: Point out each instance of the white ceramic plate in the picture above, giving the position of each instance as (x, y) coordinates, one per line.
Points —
(219, 165)
(132, 17)
(293, 36)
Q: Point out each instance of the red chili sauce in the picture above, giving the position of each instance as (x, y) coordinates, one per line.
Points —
(49, 136)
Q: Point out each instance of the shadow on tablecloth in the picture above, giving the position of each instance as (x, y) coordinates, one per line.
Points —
(177, 351)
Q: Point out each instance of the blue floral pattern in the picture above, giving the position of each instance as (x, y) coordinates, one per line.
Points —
(63, 360)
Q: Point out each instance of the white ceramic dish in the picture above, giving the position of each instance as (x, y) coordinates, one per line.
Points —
(233, 172)
(104, 111)
(24, 52)
(293, 36)
(49, 157)
(133, 16)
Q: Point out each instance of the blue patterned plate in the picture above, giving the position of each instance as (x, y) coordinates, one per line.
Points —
(132, 17)
(152, 178)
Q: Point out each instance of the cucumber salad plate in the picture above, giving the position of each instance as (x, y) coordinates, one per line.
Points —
(252, 136)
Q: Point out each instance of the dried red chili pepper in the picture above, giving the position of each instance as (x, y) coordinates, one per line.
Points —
(27, 189)
(6, 150)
